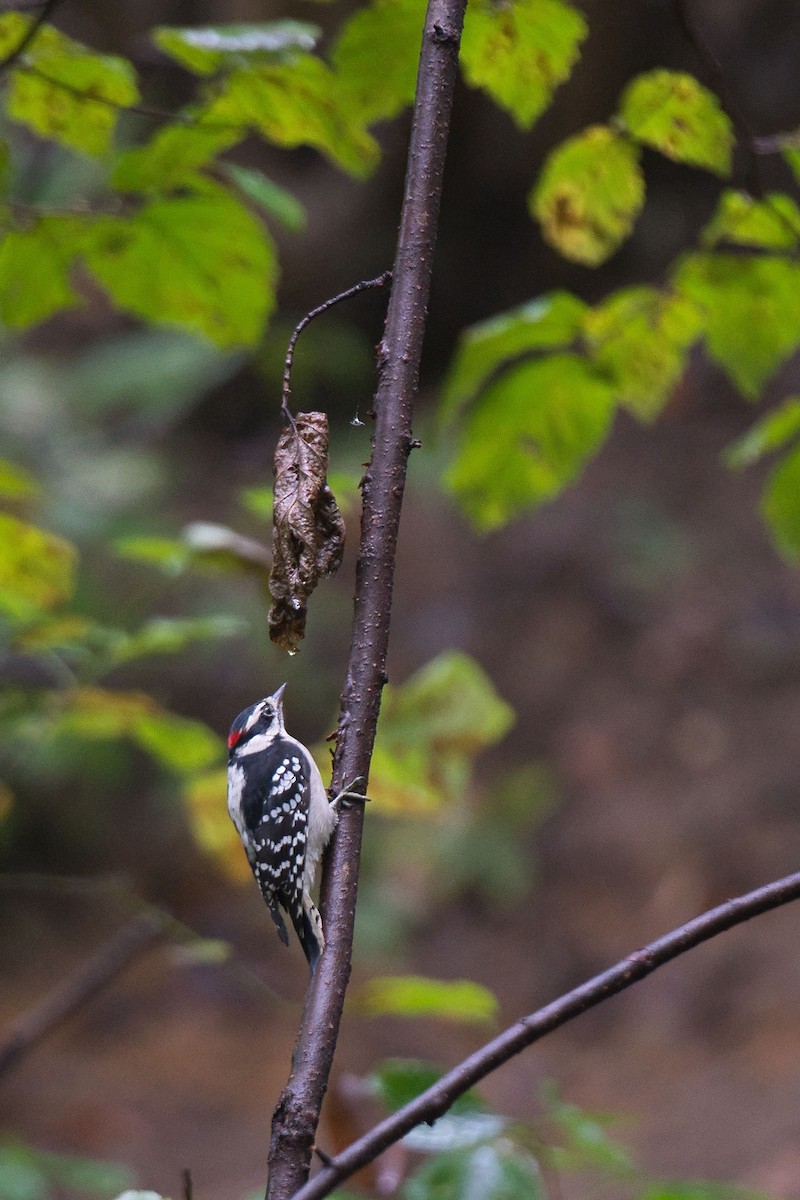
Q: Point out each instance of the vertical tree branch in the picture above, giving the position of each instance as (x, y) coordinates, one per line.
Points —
(296, 1118)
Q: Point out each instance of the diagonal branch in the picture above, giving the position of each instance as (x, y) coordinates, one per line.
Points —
(295, 1120)
(72, 993)
(437, 1099)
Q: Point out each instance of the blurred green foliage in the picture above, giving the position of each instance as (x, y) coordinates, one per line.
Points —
(30, 1174)
(471, 1151)
(165, 224)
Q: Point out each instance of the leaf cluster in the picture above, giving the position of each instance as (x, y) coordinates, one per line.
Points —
(169, 228)
(472, 1151)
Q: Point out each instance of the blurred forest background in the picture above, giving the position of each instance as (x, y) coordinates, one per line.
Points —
(642, 627)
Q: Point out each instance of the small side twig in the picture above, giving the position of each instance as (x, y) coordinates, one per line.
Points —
(188, 1190)
(431, 1104)
(68, 996)
(379, 281)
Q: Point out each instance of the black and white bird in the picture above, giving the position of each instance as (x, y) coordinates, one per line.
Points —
(278, 803)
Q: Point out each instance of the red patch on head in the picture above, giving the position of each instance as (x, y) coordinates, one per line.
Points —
(234, 737)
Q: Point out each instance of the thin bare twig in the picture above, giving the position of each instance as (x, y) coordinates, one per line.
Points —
(73, 992)
(296, 1118)
(437, 1099)
(379, 281)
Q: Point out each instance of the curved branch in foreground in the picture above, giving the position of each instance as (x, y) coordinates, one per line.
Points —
(437, 1099)
(295, 1120)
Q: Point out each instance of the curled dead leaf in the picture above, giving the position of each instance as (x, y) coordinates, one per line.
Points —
(308, 530)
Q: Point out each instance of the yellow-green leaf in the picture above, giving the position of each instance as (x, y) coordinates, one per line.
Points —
(520, 51)
(37, 569)
(528, 436)
(676, 115)
(750, 311)
(545, 323)
(589, 195)
(16, 483)
(296, 104)
(780, 505)
(419, 996)
(274, 200)
(772, 432)
(769, 224)
(176, 742)
(639, 340)
(378, 86)
(55, 633)
(34, 270)
(183, 745)
(206, 49)
(432, 728)
(201, 261)
(63, 91)
(172, 157)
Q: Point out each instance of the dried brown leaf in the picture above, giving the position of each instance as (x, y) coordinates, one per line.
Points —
(308, 530)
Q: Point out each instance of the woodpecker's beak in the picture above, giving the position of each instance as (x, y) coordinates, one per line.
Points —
(277, 700)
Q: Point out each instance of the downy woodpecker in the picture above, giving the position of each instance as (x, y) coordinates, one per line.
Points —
(278, 803)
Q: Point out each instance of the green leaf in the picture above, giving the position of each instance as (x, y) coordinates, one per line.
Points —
(182, 745)
(295, 104)
(542, 324)
(589, 195)
(205, 50)
(65, 92)
(398, 1081)
(171, 635)
(497, 1171)
(37, 569)
(432, 728)
(585, 1141)
(417, 996)
(16, 483)
(450, 1132)
(171, 554)
(769, 224)
(529, 435)
(95, 713)
(639, 340)
(139, 1195)
(519, 52)
(750, 312)
(34, 270)
(676, 115)
(200, 261)
(273, 199)
(378, 86)
(171, 158)
(792, 157)
(772, 432)
(780, 505)
(55, 633)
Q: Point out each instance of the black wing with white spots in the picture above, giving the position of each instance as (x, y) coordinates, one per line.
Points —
(276, 815)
